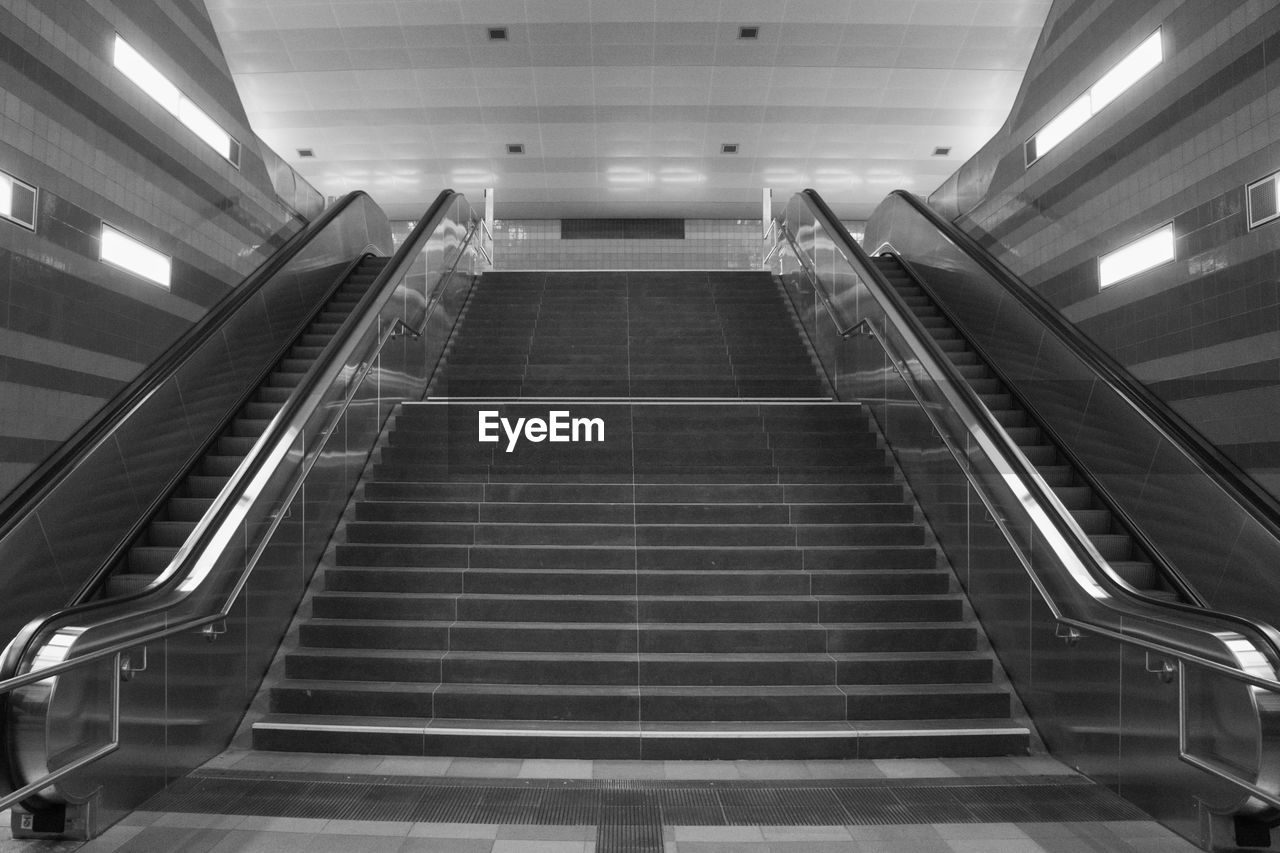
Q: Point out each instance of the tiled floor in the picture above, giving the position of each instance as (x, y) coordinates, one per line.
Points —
(161, 832)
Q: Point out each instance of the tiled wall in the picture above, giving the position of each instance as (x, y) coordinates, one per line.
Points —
(1204, 332)
(73, 331)
(535, 244)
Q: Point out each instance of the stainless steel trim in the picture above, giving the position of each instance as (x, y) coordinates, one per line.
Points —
(1214, 643)
(196, 559)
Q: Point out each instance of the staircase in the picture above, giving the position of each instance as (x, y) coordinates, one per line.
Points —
(628, 335)
(1108, 536)
(729, 568)
(177, 519)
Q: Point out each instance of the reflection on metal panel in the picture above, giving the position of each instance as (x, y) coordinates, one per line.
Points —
(215, 618)
(1068, 635)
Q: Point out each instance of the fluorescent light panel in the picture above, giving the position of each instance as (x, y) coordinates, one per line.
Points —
(1137, 257)
(17, 201)
(164, 92)
(144, 74)
(1138, 63)
(127, 253)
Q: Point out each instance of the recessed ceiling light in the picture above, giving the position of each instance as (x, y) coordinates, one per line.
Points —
(748, 32)
(515, 147)
(942, 151)
(306, 152)
(497, 33)
(729, 148)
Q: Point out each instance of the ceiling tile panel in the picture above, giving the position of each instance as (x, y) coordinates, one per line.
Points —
(622, 105)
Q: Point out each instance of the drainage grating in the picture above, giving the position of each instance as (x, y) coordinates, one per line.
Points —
(636, 831)
(629, 814)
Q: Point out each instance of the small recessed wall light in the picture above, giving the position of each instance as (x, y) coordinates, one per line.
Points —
(729, 148)
(942, 151)
(748, 33)
(515, 147)
(306, 152)
(497, 33)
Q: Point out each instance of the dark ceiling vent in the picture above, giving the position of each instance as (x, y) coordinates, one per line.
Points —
(515, 147)
(497, 33)
(729, 148)
(748, 33)
(942, 151)
(304, 153)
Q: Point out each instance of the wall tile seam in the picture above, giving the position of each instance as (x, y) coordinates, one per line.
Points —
(1191, 83)
(145, 106)
(100, 184)
(1090, 214)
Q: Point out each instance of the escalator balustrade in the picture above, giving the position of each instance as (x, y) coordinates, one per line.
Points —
(1125, 556)
(151, 554)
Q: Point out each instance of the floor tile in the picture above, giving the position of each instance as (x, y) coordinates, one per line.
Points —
(501, 846)
(395, 828)
(556, 769)
(531, 832)
(805, 833)
(629, 770)
(498, 768)
(446, 845)
(454, 830)
(915, 768)
(414, 766)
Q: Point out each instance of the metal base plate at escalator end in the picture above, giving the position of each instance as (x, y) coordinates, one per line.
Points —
(77, 822)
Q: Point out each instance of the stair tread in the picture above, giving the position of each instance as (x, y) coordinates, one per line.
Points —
(728, 728)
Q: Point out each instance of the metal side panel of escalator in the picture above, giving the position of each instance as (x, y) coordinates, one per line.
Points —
(144, 659)
(1118, 562)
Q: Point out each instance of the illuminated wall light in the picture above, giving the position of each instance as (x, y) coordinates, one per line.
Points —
(164, 92)
(17, 201)
(1137, 64)
(1137, 257)
(1063, 125)
(145, 76)
(205, 128)
(123, 251)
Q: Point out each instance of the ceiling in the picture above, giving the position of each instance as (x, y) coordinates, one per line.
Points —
(623, 106)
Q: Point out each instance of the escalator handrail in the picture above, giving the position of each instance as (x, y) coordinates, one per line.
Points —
(99, 576)
(1168, 570)
(1266, 635)
(39, 483)
(18, 656)
(283, 420)
(1262, 506)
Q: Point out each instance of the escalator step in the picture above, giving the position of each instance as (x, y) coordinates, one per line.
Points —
(149, 559)
(170, 534)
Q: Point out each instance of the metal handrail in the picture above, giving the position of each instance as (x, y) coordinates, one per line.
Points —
(1260, 504)
(924, 345)
(1000, 447)
(37, 484)
(1169, 572)
(1183, 658)
(281, 428)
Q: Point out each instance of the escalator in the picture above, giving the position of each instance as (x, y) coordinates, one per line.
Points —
(194, 510)
(1113, 540)
(1119, 563)
(177, 519)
